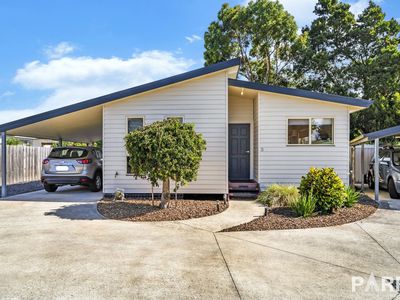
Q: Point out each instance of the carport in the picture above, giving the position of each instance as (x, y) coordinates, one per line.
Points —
(82, 122)
(369, 137)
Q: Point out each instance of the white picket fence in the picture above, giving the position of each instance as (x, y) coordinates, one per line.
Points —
(24, 163)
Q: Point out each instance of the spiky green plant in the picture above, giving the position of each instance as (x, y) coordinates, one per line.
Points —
(352, 197)
(305, 205)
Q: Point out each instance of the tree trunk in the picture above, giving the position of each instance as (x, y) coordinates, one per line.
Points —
(166, 195)
(176, 194)
(152, 195)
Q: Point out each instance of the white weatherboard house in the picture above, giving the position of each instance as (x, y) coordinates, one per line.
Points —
(254, 131)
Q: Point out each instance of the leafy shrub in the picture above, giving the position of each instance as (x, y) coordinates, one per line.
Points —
(278, 195)
(304, 206)
(352, 197)
(328, 189)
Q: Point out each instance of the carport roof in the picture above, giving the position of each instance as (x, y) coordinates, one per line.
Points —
(83, 121)
(367, 137)
(120, 94)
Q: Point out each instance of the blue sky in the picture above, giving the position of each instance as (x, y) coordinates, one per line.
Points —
(55, 53)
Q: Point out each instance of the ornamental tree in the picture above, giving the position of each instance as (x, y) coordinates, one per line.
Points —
(262, 33)
(354, 55)
(164, 151)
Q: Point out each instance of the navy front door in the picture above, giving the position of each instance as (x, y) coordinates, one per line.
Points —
(239, 151)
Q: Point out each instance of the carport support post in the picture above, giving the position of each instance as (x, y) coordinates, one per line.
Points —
(353, 166)
(60, 142)
(376, 169)
(3, 164)
(362, 167)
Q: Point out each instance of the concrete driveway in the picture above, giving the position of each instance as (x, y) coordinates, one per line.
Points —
(57, 246)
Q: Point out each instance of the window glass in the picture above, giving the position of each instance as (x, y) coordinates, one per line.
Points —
(396, 158)
(68, 153)
(322, 131)
(298, 131)
(386, 156)
(134, 123)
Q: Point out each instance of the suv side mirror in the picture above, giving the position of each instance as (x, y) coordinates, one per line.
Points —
(386, 160)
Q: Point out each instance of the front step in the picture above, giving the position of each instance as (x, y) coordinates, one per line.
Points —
(243, 190)
(244, 186)
(243, 196)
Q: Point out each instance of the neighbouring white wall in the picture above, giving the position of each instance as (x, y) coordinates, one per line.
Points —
(241, 112)
(368, 154)
(202, 101)
(285, 164)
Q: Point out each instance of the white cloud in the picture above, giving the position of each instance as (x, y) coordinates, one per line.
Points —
(193, 38)
(73, 79)
(6, 94)
(357, 7)
(59, 50)
(301, 10)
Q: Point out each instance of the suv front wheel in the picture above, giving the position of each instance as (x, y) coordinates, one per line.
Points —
(392, 190)
(97, 184)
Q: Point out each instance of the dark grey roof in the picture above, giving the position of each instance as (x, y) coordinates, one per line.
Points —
(176, 79)
(300, 93)
(120, 94)
(383, 133)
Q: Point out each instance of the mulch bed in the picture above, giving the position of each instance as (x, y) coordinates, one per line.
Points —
(143, 210)
(284, 218)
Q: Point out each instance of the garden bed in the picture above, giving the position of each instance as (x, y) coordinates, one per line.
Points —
(284, 218)
(143, 210)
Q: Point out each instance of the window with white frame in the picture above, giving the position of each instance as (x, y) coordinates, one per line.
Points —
(133, 124)
(310, 131)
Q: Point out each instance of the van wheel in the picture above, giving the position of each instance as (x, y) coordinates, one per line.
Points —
(97, 184)
(371, 183)
(51, 188)
(392, 190)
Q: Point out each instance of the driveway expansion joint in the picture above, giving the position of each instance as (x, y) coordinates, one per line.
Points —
(397, 297)
(191, 226)
(384, 249)
(303, 256)
(227, 266)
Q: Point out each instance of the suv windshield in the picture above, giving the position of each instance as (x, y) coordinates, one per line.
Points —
(396, 158)
(68, 153)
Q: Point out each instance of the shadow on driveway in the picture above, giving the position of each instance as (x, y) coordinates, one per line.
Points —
(85, 211)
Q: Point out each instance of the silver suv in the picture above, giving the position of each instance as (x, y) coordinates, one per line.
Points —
(72, 166)
(389, 171)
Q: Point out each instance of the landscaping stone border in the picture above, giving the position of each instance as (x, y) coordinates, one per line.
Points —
(281, 218)
(143, 210)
